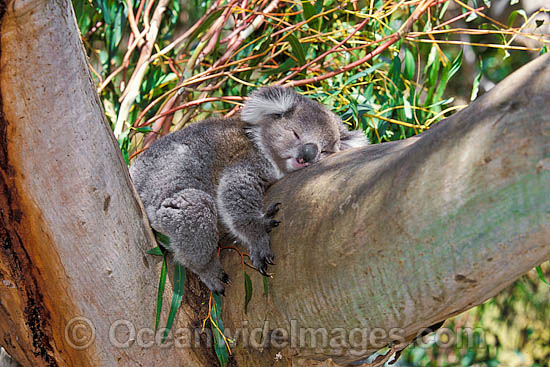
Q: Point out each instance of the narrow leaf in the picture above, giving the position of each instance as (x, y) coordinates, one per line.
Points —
(155, 251)
(477, 79)
(363, 73)
(219, 342)
(541, 275)
(162, 238)
(410, 64)
(514, 14)
(247, 291)
(160, 293)
(297, 49)
(408, 109)
(179, 285)
(289, 63)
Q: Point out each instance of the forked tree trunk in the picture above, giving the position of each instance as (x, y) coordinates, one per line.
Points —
(398, 235)
(74, 234)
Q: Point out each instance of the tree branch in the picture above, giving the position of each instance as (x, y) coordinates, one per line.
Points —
(406, 234)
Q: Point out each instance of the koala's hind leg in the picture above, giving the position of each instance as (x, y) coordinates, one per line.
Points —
(189, 220)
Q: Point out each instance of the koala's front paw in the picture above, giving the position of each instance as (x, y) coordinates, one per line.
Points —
(261, 257)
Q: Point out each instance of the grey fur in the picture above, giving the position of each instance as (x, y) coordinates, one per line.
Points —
(209, 179)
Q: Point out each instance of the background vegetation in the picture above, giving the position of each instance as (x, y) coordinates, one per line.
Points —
(390, 68)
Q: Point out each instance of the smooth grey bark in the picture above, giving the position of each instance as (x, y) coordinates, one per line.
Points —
(399, 236)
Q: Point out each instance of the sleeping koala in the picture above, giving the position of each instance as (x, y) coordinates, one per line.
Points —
(211, 176)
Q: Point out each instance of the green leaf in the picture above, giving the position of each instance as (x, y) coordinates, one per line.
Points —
(102, 5)
(160, 292)
(145, 129)
(247, 291)
(179, 286)
(514, 14)
(363, 73)
(310, 11)
(410, 64)
(457, 64)
(433, 56)
(468, 358)
(477, 79)
(285, 66)
(541, 275)
(471, 17)
(514, 2)
(266, 286)
(297, 49)
(219, 342)
(162, 238)
(205, 25)
(118, 26)
(444, 9)
(165, 78)
(155, 251)
(543, 50)
(447, 73)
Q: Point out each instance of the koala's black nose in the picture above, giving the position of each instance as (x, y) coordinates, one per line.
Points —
(308, 152)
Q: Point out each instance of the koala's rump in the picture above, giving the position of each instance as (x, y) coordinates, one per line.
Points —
(193, 157)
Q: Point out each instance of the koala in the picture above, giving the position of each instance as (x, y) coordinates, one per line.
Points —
(209, 179)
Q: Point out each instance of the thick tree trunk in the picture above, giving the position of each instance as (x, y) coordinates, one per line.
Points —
(398, 235)
(73, 233)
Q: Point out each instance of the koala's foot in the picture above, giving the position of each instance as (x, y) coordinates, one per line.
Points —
(214, 277)
(189, 219)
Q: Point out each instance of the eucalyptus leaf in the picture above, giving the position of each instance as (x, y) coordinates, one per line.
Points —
(541, 275)
(160, 291)
(247, 291)
(179, 286)
(297, 49)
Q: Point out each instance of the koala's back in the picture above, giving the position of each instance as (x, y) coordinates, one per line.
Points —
(190, 158)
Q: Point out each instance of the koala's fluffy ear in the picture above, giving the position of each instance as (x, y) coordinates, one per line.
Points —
(351, 139)
(268, 102)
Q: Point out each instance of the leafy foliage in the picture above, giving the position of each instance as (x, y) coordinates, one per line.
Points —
(150, 85)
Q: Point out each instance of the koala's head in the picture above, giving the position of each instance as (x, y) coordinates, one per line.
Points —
(293, 130)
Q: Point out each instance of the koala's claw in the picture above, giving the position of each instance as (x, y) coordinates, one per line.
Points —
(272, 210)
(269, 260)
(272, 224)
(263, 271)
(225, 279)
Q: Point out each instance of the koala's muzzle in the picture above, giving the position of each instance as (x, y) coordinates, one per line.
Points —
(307, 153)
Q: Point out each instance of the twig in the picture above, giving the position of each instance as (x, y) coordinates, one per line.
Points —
(141, 68)
(324, 54)
(422, 7)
